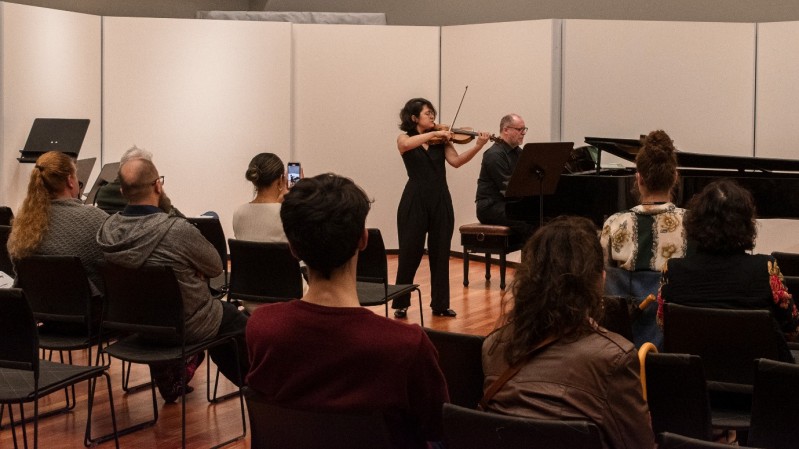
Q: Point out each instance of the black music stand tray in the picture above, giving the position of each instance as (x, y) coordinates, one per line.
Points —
(538, 171)
(107, 175)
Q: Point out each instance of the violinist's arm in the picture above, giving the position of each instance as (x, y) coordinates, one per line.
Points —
(407, 143)
(456, 160)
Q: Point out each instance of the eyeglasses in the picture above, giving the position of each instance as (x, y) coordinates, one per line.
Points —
(160, 178)
(430, 114)
(521, 130)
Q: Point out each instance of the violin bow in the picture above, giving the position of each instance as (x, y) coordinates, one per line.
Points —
(452, 126)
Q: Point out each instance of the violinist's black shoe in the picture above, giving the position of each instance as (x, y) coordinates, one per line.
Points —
(401, 313)
(446, 312)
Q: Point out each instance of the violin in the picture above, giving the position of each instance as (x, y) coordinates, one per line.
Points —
(459, 135)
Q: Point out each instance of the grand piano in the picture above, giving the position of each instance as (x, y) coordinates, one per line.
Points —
(599, 193)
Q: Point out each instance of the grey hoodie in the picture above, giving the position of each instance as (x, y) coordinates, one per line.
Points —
(158, 239)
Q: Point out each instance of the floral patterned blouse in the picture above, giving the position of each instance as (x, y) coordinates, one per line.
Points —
(644, 237)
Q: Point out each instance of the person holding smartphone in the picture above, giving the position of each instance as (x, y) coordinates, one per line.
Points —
(259, 220)
(425, 209)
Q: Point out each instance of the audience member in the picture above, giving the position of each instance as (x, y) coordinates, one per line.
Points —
(320, 353)
(109, 196)
(259, 220)
(53, 221)
(721, 221)
(638, 242)
(143, 234)
(550, 359)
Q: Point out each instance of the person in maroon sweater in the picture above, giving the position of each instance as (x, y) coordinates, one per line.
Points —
(326, 353)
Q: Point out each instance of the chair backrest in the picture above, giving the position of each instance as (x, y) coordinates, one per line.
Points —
(788, 262)
(728, 342)
(264, 272)
(144, 300)
(20, 346)
(460, 359)
(677, 395)
(792, 284)
(775, 405)
(472, 429)
(667, 440)
(372, 264)
(211, 229)
(617, 316)
(6, 216)
(6, 266)
(277, 427)
(57, 288)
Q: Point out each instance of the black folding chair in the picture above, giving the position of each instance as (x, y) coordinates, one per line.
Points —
(6, 216)
(263, 273)
(278, 427)
(6, 266)
(372, 272)
(25, 378)
(788, 262)
(146, 303)
(775, 405)
(211, 229)
(460, 359)
(472, 429)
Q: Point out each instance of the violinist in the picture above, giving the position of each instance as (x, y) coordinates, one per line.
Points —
(498, 164)
(425, 209)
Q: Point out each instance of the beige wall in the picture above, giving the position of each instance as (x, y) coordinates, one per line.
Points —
(458, 12)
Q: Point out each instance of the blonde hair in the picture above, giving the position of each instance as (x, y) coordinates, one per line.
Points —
(49, 177)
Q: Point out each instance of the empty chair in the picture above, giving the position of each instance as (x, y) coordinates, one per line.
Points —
(146, 303)
(262, 273)
(788, 262)
(373, 286)
(667, 440)
(460, 359)
(25, 378)
(775, 406)
(211, 229)
(472, 429)
(277, 427)
(677, 395)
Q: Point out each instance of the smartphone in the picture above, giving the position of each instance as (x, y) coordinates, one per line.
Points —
(294, 173)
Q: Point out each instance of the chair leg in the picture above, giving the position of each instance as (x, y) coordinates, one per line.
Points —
(421, 310)
(126, 379)
(502, 270)
(241, 400)
(488, 266)
(465, 267)
(135, 427)
(87, 440)
(214, 399)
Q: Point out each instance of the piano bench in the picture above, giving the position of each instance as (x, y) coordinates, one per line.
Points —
(487, 239)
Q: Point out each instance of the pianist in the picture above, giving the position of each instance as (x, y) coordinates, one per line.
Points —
(495, 171)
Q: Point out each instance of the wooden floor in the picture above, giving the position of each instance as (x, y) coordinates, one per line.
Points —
(478, 308)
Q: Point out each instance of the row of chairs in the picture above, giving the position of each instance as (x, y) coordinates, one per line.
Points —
(144, 301)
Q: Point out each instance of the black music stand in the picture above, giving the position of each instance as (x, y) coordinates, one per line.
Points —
(54, 134)
(107, 175)
(538, 171)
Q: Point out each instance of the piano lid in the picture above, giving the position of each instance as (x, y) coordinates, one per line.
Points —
(627, 149)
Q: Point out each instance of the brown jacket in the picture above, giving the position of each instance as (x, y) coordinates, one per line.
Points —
(594, 378)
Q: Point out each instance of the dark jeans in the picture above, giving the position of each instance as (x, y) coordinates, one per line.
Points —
(233, 322)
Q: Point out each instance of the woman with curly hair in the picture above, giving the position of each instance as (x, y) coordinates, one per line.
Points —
(53, 221)
(721, 221)
(550, 359)
(637, 242)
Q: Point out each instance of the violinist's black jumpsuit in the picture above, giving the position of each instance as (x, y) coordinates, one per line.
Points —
(425, 208)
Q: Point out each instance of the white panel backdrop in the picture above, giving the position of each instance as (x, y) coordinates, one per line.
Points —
(777, 90)
(509, 67)
(350, 82)
(204, 96)
(50, 68)
(694, 80)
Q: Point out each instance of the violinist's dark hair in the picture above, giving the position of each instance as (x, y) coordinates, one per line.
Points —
(324, 218)
(557, 288)
(721, 218)
(656, 162)
(412, 109)
(263, 170)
